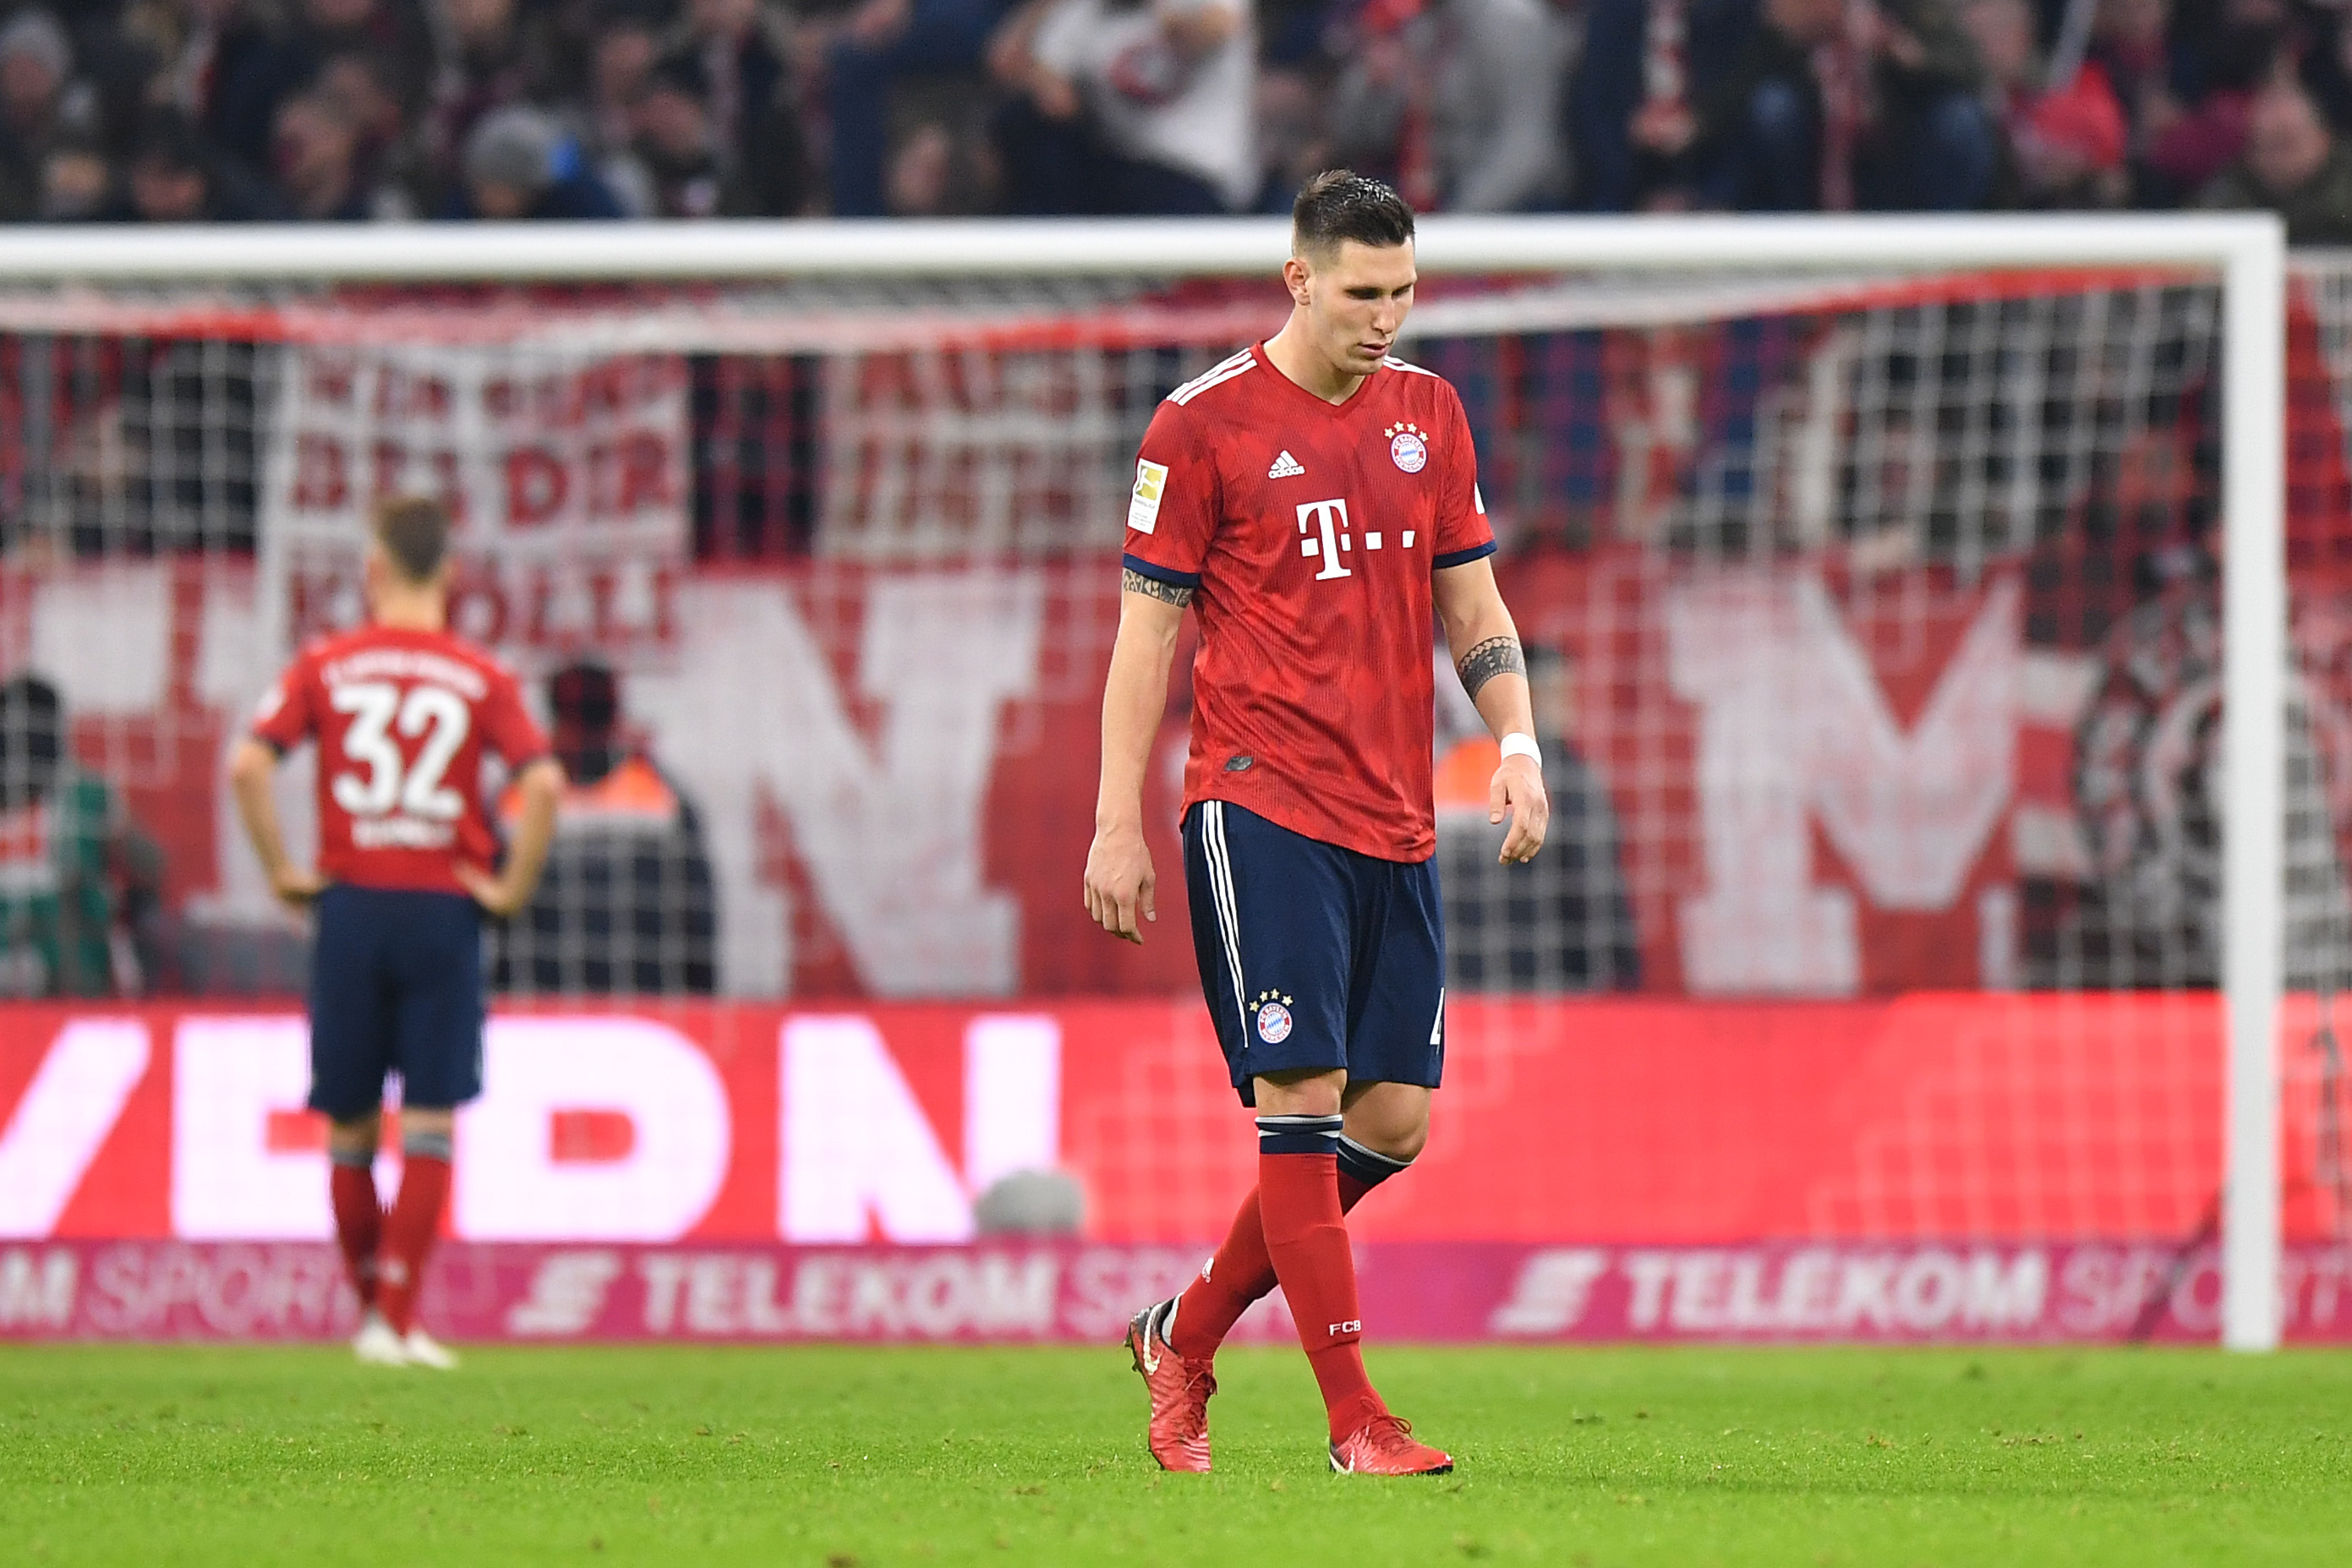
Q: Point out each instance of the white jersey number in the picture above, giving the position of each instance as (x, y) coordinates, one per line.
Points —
(377, 710)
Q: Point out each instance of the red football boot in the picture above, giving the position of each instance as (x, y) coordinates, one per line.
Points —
(1178, 1430)
(1384, 1446)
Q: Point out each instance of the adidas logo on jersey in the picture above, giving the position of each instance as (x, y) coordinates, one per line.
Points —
(1286, 467)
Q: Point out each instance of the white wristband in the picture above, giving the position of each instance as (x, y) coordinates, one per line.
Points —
(1518, 745)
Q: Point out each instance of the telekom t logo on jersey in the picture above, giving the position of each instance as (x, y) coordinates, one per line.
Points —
(1323, 527)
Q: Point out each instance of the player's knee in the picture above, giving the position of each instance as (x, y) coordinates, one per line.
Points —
(1401, 1142)
(1390, 1120)
(1304, 1093)
(428, 1133)
(351, 1141)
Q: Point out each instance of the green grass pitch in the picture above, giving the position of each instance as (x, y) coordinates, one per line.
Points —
(832, 1457)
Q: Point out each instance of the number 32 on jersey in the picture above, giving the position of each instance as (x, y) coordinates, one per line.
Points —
(398, 795)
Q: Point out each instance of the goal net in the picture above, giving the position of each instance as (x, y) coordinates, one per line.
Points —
(1874, 602)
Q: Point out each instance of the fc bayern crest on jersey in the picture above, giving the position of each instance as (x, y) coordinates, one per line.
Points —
(1273, 1023)
(1407, 448)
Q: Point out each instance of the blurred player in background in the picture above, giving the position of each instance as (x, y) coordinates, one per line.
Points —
(79, 879)
(404, 712)
(626, 905)
(1314, 500)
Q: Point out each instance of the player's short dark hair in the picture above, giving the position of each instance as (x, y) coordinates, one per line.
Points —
(414, 533)
(1340, 204)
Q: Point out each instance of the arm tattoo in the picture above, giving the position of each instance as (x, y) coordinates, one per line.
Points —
(1134, 581)
(1495, 656)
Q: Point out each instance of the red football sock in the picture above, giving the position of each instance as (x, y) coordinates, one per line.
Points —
(408, 1236)
(1240, 1273)
(358, 1222)
(1306, 1237)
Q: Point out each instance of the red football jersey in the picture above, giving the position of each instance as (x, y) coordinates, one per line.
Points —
(1310, 531)
(402, 720)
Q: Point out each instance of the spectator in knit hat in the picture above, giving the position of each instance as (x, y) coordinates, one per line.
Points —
(519, 163)
(2292, 164)
(35, 68)
(489, 54)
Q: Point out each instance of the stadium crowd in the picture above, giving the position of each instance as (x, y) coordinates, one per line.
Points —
(171, 110)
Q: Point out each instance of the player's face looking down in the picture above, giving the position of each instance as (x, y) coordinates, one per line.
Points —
(1352, 301)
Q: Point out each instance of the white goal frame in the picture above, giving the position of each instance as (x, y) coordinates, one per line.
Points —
(2247, 252)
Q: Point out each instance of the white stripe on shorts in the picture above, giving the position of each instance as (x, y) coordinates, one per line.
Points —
(1221, 889)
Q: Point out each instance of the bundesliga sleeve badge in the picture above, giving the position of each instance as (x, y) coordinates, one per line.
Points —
(1143, 507)
(1407, 448)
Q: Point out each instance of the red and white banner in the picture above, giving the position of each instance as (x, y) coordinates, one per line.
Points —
(1437, 1291)
(565, 474)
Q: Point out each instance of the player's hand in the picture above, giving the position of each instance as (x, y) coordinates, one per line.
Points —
(296, 888)
(496, 894)
(1119, 883)
(1518, 792)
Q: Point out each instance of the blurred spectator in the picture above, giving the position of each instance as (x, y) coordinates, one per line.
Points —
(2067, 147)
(619, 71)
(389, 34)
(762, 157)
(2064, 146)
(677, 146)
(1873, 106)
(77, 876)
(2237, 47)
(315, 158)
(1458, 102)
(1646, 67)
(519, 163)
(1129, 106)
(46, 162)
(487, 55)
(2294, 164)
(938, 170)
(882, 42)
(172, 178)
(76, 182)
(1290, 129)
(188, 48)
(2131, 42)
(1563, 921)
(627, 904)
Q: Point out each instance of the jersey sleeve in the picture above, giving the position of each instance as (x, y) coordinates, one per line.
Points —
(506, 723)
(286, 716)
(1171, 514)
(1464, 534)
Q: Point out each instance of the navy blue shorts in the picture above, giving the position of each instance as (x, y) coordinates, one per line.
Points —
(395, 986)
(1313, 956)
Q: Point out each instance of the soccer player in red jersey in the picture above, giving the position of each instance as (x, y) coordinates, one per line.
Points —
(402, 712)
(1313, 500)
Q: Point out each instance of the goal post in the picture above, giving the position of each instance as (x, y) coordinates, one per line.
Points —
(55, 276)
